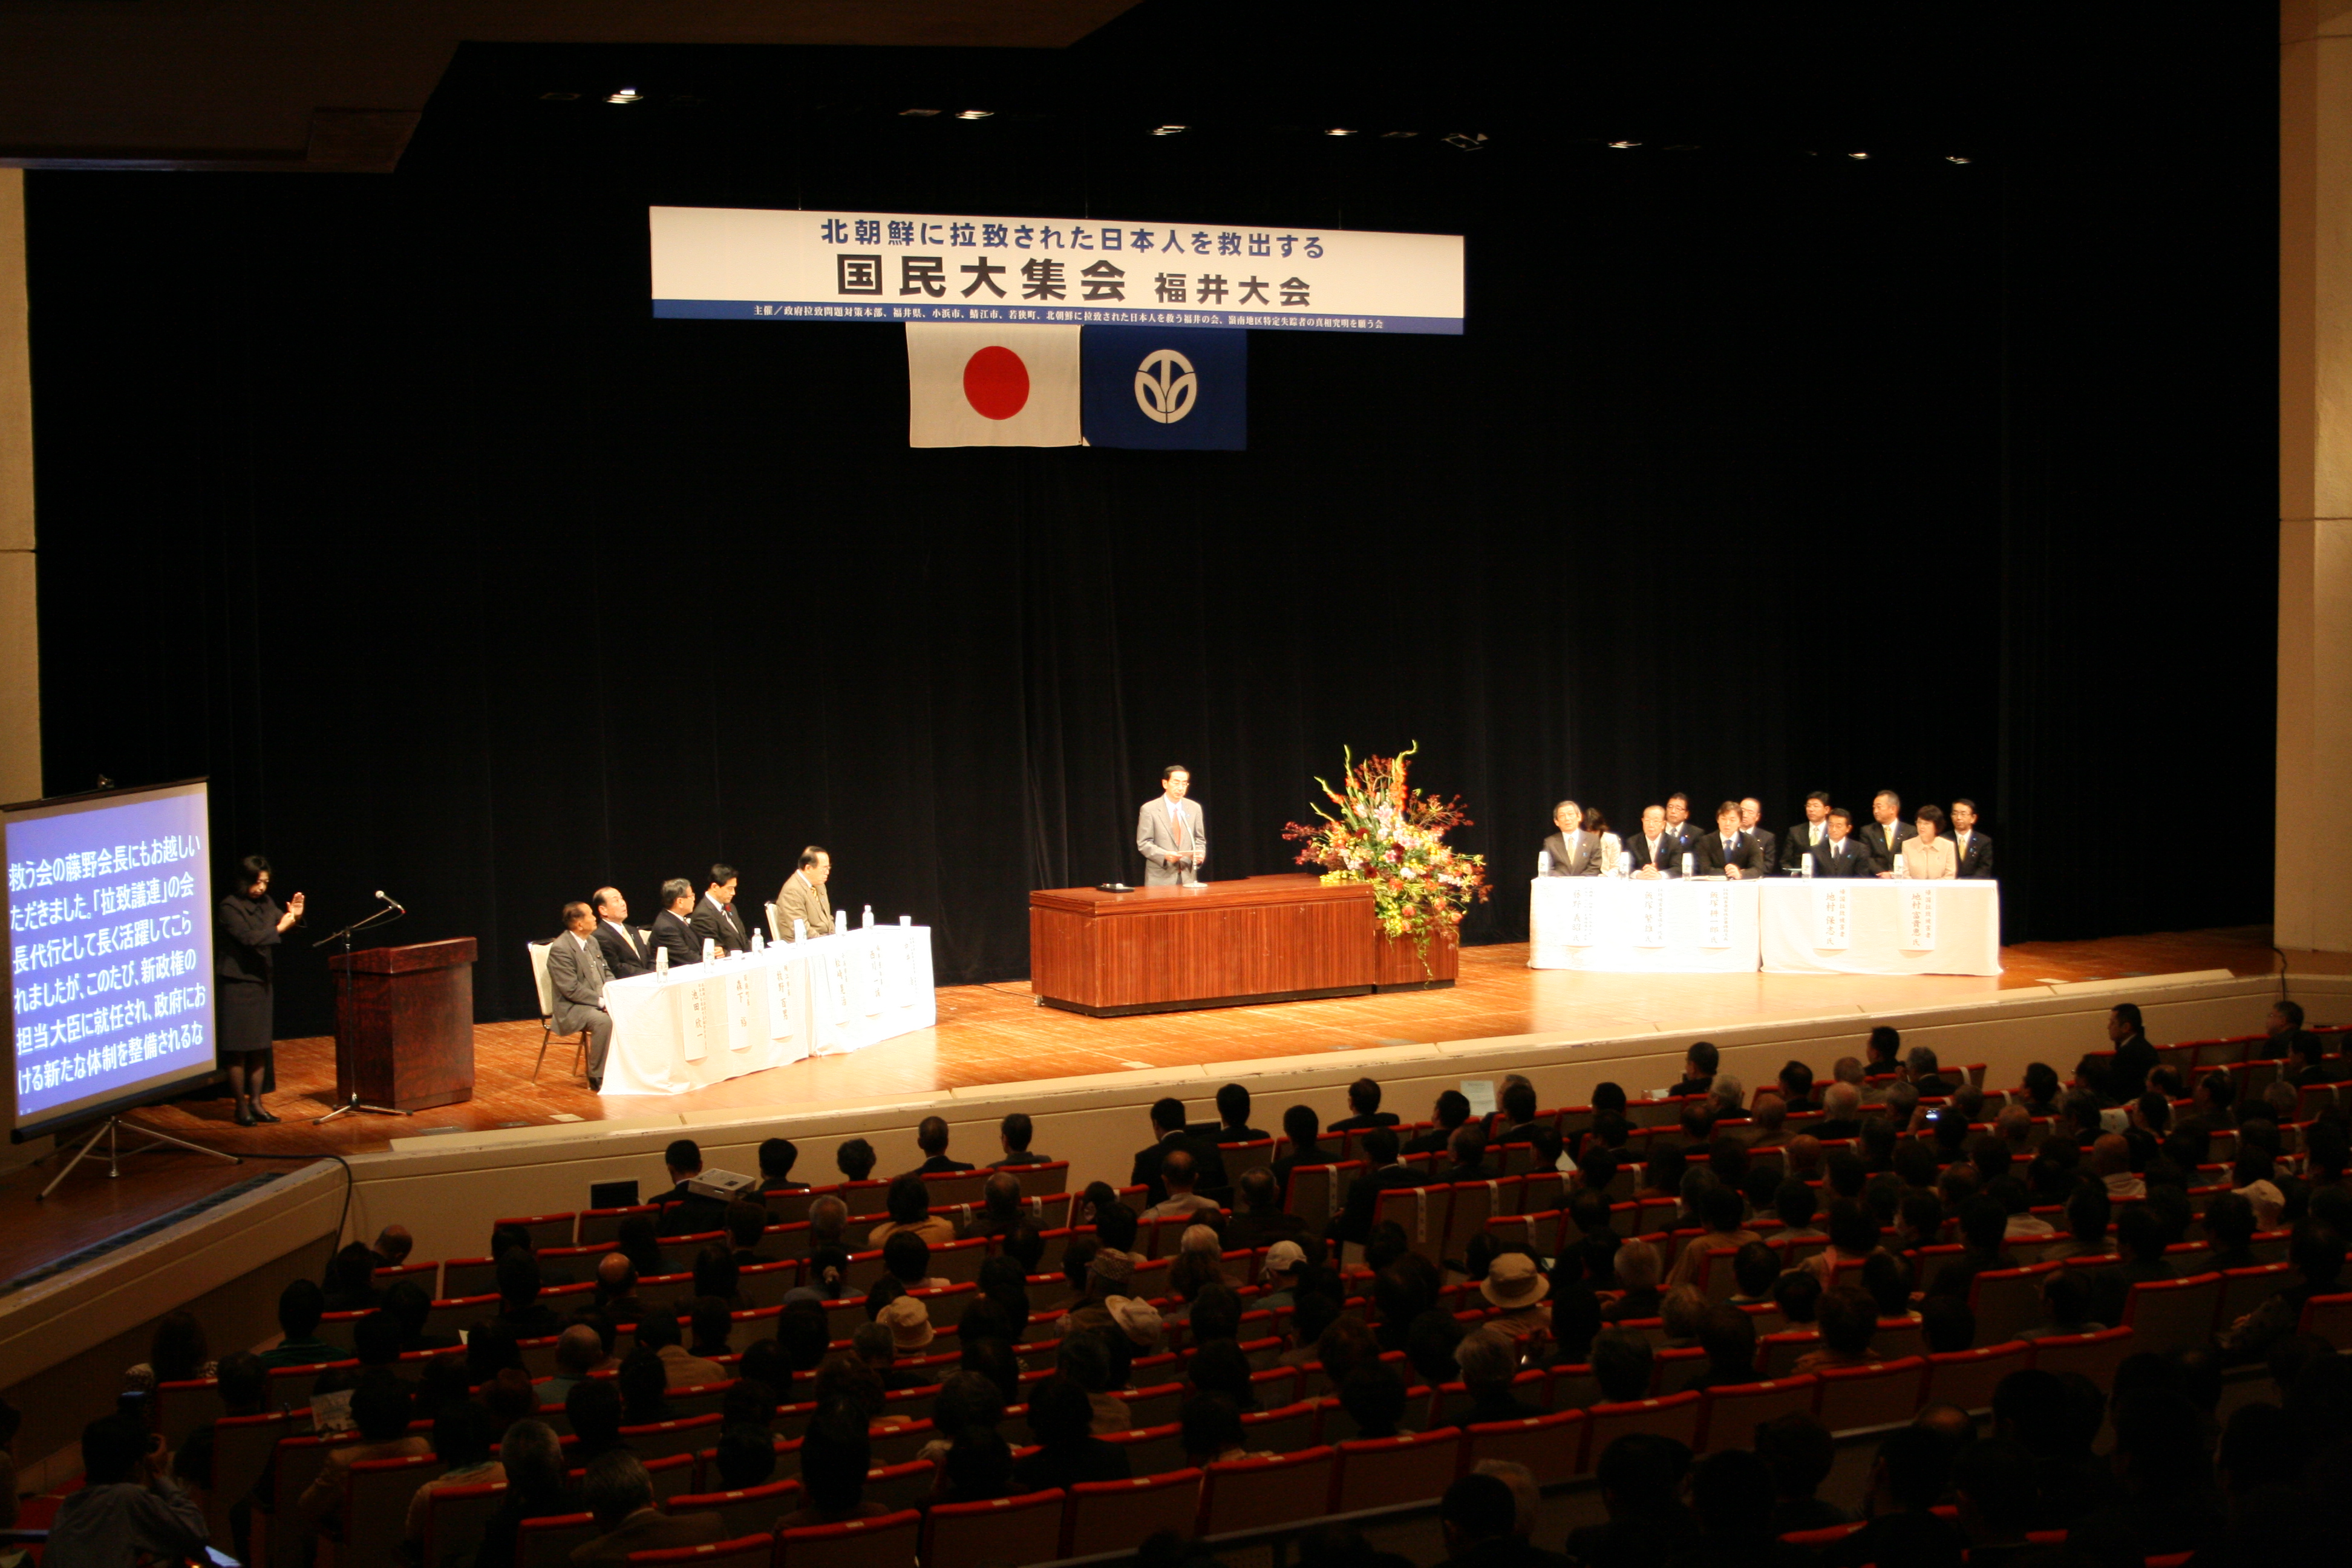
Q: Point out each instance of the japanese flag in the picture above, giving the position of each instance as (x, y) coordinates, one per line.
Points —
(978, 384)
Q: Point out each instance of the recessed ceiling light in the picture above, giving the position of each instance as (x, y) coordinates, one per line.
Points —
(1169, 130)
(1467, 140)
(1857, 155)
(626, 95)
(1398, 135)
(558, 97)
(973, 114)
(1621, 146)
(1339, 131)
(1954, 158)
(916, 113)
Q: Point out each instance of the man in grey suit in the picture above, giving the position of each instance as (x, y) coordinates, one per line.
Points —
(803, 897)
(576, 973)
(1573, 851)
(1171, 833)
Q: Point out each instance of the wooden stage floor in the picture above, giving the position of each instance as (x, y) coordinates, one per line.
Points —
(997, 1034)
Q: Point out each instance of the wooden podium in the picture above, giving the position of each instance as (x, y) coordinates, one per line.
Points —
(1220, 944)
(404, 1024)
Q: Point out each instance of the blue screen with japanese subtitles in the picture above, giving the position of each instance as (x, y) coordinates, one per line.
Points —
(109, 950)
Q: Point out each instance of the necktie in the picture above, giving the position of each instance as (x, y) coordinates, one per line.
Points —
(1177, 812)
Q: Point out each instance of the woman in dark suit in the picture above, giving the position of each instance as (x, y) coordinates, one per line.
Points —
(245, 928)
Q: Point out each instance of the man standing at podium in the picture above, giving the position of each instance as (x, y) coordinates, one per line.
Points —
(1171, 833)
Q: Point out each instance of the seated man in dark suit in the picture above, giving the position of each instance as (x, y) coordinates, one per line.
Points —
(520, 1308)
(673, 932)
(1801, 840)
(1364, 1108)
(931, 1138)
(1885, 834)
(1014, 1133)
(1231, 1125)
(777, 1158)
(1259, 1218)
(1304, 1129)
(1698, 1067)
(1768, 847)
(626, 952)
(1381, 1174)
(2288, 1040)
(1973, 849)
(1842, 855)
(621, 1497)
(1727, 851)
(1453, 1111)
(1925, 1074)
(1168, 1126)
(714, 916)
(1656, 851)
(686, 1213)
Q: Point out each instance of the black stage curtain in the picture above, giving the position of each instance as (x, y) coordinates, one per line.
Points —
(384, 502)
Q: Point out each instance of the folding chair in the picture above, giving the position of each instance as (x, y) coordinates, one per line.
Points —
(1728, 1415)
(469, 1276)
(375, 1508)
(2244, 1290)
(600, 1227)
(548, 1542)
(745, 1511)
(1289, 1429)
(1155, 1405)
(906, 1485)
(1380, 1472)
(1467, 1215)
(661, 1439)
(2330, 1317)
(1546, 1445)
(2172, 1314)
(855, 1543)
(2007, 1300)
(1254, 1494)
(1025, 1529)
(1777, 1353)
(1118, 1516)
(181, 1407)
(1850, 1398)
(546, 1229)
(1040, 1181)
(746, 1551)
(943, 1188)
(1314, 1191)
(1150, 1450)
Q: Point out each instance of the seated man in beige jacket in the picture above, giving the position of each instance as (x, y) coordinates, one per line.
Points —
(804, 897)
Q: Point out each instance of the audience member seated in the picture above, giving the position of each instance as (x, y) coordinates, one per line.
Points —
(1487, 1362)
(1728, 1337)
(855, 1160)
(1681, 1310)
(1720, 1210)
(393, 1245)
(380, 1408)
(709, 1326)
(931, 1139)
(462, 1441)
(747, 1226)
(1636, 1267)
(658, 1331)
(1013, 1136)
(1061, 1418)
(1906, 1482)
(686, 1213)
(1364, 1108)
(1452, 1110)
(520, 1311)
(1259, 1218)
(531, 1459)
(1372, 1400)
(350, 1279)
(1169, 1133)
(128, 1509)
(777, 1158)
(1178, 1173)
(1466, 1158)
(1799, 1453)
(1479, 1516)
(1641, 1475)
(908, 1202)
(177, 1352)
(1231, 1125)
(1303, 1129)
(299, 1307)
(1732, 1497)
(1621, 1364)
(620, 1495)
(1848, 1318)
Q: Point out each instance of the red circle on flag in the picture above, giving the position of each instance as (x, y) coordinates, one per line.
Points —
(995, 383)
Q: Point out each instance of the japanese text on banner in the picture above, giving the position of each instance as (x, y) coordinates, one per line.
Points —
(1583, 912)
(1649, 915)
(1715, 917)
(1832, 917)
(1919, 919)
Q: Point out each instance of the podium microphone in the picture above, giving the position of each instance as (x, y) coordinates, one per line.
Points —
(388, 898)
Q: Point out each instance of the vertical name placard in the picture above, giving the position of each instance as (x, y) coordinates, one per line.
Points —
(1919, 918)
(1832, 916)
(1650, 914)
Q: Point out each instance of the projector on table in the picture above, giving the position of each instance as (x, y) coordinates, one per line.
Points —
(723, 1185)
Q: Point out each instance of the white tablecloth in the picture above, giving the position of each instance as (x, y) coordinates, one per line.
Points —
(1624, 924)
(704, 1023)
(1886, 926)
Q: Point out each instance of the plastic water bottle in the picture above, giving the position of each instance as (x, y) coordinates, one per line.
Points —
(1625, 863)
(1543, 862)
(661, 961)
(759, 941)
(906, 920)
(1689, 861)
(1805, 867)
(868, 922)
(800, 928)
(709, 950)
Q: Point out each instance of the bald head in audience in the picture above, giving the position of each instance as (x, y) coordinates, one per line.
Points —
(393, 1244)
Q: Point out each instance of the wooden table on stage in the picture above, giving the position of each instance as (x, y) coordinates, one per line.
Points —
(404, 1024)
(1219, 944)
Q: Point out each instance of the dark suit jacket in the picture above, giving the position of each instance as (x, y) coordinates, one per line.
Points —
(1369, 1120)
(624, 956)
(1430, 1142)
(1711, 857)
(1670, 849)
(688, 1213)
(1313, 1154)
(1797, 842)
(1768, 849)
(673, 933)
(1564, 863)
(721, 926)
(1354, 1221)
(1881, 850)
(1978, 861)
(941, 1165)
(1209, 1166)
(1856, 862)
(1255, 1230)
(1024, 1158)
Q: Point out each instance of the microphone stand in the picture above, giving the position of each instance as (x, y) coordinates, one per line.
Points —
(349, 1010)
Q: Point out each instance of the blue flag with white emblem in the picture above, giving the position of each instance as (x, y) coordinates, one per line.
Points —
(1165, 389)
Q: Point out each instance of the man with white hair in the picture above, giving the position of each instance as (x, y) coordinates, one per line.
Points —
(1841, 1114)
(1573, 851)
(1730, 1094)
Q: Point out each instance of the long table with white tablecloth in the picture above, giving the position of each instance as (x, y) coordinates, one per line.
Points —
(1624, 924)
(704, 1023)
(1788, 925)
(1881, 926)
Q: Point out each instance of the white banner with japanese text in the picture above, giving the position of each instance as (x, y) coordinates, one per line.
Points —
(1919, 919)
(758, 264)
(1832, 916)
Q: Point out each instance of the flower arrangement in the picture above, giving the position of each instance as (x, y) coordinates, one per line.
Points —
(1392, 839)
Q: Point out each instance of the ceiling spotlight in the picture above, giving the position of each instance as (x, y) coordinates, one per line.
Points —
(1169, 130)
(626, 95)
(1338, 131)
(1857, 155)
(558, 97)
(1467, 140)
(1954, 158)
(1398, 135)
(1621, 146)
(916, 113)
(973, 114)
